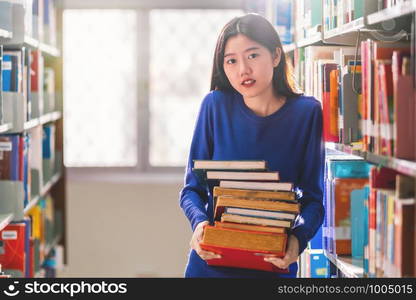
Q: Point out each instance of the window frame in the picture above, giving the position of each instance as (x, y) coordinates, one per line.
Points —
(143, 166)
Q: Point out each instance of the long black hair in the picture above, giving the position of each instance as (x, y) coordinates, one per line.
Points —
(258, 29)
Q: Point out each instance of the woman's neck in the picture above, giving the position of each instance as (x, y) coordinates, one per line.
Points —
(265, 104)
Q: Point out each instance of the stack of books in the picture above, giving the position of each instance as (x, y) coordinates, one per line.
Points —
(252, 211)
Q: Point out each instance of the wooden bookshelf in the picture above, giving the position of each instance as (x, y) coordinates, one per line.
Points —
(348, 266)
(5, 127)
(5, 219)
(399, 10)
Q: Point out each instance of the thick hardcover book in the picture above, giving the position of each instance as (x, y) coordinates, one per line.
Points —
(341, 214)
(250, 227)
(280, 195)
(243, 249)
(253, 203)
(12, 249)
(351, 126)
(404, 227)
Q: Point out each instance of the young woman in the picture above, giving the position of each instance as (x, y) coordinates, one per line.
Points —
(253, 113)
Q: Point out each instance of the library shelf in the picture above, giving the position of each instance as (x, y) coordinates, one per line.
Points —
(346, 33)
(44, 191)
(48, 249)
(5, 219)
(50, 50)
(289, 47)
(313, 40)
(50, 117)
(5, 34)
(403, 166)
(31, 124)
(50, 246)
(5, 127)
(350, 267)
(30, 42)
(399, 10)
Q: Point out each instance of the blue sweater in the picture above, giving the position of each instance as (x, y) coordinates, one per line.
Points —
(290, 140)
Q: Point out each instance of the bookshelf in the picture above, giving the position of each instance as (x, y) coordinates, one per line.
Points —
(5, 34)
(403, 166)
(399, 10)
(348, 266)
(5, 219)
(48, 175)
(338, 30)
(45, 190)
(5, 127)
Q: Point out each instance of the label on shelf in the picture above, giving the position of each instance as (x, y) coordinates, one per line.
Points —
(9, 235)
(5, 146)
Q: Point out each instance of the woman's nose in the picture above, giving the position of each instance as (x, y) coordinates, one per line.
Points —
(244, 68)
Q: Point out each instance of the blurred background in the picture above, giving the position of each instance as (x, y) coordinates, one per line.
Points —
(134, 74)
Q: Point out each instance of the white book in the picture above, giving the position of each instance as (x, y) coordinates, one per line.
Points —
(250, 185)
(260, 213)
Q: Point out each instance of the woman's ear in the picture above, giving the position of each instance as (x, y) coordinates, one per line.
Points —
(276, 57)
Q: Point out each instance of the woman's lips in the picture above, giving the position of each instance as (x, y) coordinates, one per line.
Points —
(248, 83)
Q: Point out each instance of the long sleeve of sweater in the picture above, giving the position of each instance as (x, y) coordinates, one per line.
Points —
(311, 183)
(194, 196)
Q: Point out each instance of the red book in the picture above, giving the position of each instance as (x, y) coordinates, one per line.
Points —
(12, 254)
(386, 106)
(243, 249)
(329, 135)
(240, 258)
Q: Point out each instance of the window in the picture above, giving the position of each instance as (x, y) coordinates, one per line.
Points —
(100, 93)
(182, 45)
(112, 119)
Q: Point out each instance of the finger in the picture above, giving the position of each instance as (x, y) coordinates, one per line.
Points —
(208, 255)
(278, 262)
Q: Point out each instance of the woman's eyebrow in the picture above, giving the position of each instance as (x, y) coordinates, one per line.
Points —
(248, 49)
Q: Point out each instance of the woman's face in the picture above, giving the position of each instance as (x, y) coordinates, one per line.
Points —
(249, 66)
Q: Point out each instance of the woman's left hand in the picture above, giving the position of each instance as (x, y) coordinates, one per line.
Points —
(292, 253)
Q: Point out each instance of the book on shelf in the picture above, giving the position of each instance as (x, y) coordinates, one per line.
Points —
(253, 185)
(12, 249)
(404, 110)
(242, 248)
(403, 253)
(374, 54)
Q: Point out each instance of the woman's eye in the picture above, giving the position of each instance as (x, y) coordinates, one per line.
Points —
(253, 55)
(231, 61)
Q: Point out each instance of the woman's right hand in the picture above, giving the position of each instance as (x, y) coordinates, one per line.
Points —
(197, 238)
